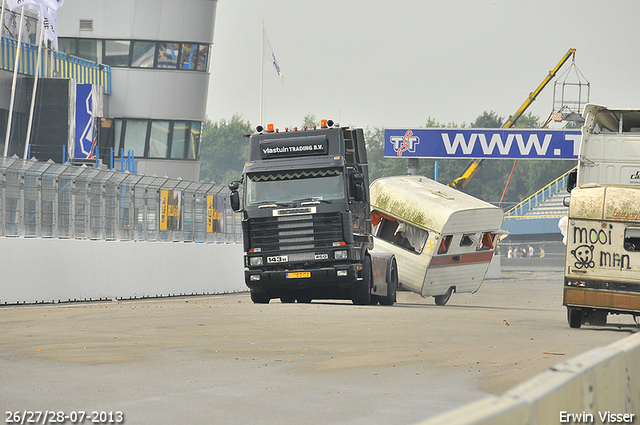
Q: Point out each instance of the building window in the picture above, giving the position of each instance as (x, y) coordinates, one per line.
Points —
(117, 135)
(203, 56)
(135, 137)
(89, 50)
(194, 141)
(116, 52)
(179, 140)
(189, 55)
(168, 55)
(159, 139)
(139, 53)
(143, 54)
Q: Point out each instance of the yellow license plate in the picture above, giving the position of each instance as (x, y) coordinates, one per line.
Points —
(298, 275)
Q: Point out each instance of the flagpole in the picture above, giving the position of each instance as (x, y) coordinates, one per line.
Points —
(13, 85)
(262, 75)
(35, 87)
(2, 19)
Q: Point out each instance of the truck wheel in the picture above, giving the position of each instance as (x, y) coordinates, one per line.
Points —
(260, 297)
(442, 299)
(392, 284)
(304, 299)
(287, 299)
(574, 317)
(361, 294)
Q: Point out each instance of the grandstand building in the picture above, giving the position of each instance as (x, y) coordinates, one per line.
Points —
(159, 53)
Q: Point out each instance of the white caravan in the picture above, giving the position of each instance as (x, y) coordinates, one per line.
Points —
(443, 239)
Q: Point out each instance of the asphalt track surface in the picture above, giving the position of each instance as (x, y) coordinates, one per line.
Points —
(224, 360)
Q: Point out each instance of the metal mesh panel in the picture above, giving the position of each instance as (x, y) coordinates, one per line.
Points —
(81, 210)
(65, 207)
(49, 190)
(124, 205)
(12, 210)
(51, 200)
(31, 209)
(110, 211)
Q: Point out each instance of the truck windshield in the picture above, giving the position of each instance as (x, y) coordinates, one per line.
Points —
(285, 186)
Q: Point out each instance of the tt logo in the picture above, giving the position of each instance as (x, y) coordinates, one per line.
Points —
(406, 143)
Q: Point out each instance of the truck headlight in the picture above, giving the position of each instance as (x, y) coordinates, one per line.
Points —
(341, 255)
(255, 261)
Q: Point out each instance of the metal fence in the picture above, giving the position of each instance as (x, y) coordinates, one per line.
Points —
(50, 200)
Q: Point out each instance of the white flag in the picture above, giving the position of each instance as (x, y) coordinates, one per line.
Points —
(53, 4)
(14, 4)
(270, 57)
(50, 19)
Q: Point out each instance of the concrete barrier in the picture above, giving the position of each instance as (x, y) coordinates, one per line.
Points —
(592, 386)
(53, 270)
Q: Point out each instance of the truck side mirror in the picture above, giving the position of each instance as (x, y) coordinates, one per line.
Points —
(358, 187)
(234, 196)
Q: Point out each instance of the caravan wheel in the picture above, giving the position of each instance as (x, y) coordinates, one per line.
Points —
(442, 299)
(392, 285)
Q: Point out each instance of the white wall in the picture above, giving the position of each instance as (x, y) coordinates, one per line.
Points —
(185, 20)
(52, 270)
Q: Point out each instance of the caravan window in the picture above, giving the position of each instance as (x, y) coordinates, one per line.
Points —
(445, 243)
(398, 233)
(486, 242)
(468, 240)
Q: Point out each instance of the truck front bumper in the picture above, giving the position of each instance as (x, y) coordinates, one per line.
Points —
(343, 276)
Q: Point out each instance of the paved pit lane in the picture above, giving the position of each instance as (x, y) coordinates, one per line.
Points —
(224, 360)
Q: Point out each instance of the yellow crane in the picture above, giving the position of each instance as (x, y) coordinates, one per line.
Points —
(475, 164)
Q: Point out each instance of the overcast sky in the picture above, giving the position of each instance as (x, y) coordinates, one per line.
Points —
(394, 64)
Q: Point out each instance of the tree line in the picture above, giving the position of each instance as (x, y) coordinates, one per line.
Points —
(224, 150)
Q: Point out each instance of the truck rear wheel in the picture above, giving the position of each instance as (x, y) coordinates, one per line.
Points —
(260, 297)
(287, 299)
(574, 317)
(361, 294)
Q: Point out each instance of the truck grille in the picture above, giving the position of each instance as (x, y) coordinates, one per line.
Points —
(295, 232)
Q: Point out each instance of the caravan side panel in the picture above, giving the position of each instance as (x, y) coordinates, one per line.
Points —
(462, 267)
(411, 265)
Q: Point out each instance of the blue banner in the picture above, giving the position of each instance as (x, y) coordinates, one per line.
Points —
(495, 143)
(86, 122)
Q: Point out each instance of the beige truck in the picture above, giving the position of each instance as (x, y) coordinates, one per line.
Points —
(602, 232)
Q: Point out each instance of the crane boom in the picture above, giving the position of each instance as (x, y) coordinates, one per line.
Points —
(475, 164)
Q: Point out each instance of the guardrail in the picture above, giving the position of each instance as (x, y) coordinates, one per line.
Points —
(520, 210)
(49, 200)
(54, 64)
(599, 386)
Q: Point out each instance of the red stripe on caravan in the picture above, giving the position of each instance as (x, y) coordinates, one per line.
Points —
(454, 260)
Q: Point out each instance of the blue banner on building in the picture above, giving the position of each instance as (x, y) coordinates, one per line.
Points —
(494, 143)
(88, 111)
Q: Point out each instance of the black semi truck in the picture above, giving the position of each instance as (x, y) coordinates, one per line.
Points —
(306, 220)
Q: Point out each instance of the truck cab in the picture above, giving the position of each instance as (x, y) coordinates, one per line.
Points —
(305, 215)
